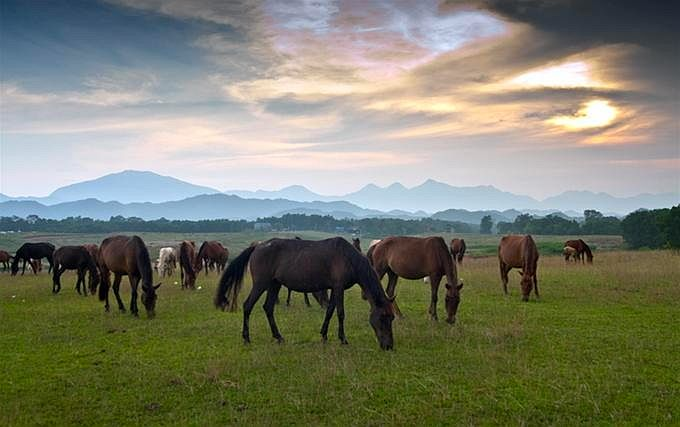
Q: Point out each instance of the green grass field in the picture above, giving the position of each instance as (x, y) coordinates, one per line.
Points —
(600, 347)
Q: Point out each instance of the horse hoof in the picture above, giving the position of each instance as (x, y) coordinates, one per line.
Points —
(344, 342)
(324, 338)
(122, 310)
(280, 340)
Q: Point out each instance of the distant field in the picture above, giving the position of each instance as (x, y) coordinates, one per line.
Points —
(477, 244)
(600, 347)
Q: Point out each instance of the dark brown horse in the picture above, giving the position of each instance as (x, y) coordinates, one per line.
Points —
(5, 258)
(306, 266)
(458, 249)
(93, 250)
(187, 257)
(74, 258)
(32, 251)
(414, 258)
(582, 249)
(211, 253)
(519, 252)
(127, 256)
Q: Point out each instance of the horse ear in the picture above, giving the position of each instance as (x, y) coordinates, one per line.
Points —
(157, 286)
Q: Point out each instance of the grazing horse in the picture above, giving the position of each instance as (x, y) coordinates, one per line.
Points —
(414, 258)
(321, 296)
(357, 244)
(127, 256)
(187, 256)
(210, 253)
(74, 258)
(306, 266)
(5, 258)
(167, 261)
(32, 251)
(519, 252)
(458, 249)
(581, 249)
(568, 253)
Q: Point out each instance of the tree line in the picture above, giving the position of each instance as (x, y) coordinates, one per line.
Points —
(288, 222)
(659, 228)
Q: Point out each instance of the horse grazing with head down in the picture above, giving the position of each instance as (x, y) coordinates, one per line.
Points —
(357, 244)
(320, 296)
(458, 249)
(211, 253)
(127, 256)
(519, 252)
(306, 266)
(167, 261)
(581, 249)
(75, 258)
(32, 251)
(187, 256)
(415, 258)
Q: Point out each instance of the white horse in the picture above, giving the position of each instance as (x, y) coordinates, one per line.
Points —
(167, 261)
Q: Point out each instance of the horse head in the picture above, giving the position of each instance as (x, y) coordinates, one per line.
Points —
(149, 298)
(452, 301)
(381, 320)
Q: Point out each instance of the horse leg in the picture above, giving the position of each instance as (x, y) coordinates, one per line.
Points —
(341, 317)
(248, 305)
(504, 276)
(288, 299)
(134, 282)
(56, 280)
(105, 285)
(270, 302)
(391, 287)
(81, 280)
(307, 300)
(116, 287)
(23, 270)
(434, 287)
(181, 276)
(329, 314)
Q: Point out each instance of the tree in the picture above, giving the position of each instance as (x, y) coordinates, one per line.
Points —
(486, 224)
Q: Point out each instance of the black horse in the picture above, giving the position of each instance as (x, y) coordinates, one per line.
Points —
(75, 258)
(29, 251)
(306, 266)
(321, 297)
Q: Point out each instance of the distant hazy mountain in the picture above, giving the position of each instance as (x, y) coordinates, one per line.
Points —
(294, 192)
(213, 206)
(581, 200)
(125, 187)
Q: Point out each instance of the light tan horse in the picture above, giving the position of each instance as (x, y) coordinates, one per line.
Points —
(414, 258)
(519, 252)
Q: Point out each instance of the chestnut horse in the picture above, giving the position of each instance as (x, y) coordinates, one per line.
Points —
(415, 258)
(127, 256)
(32, 251)
(581, 249)
(5, 258)
(458, 249)
(210, 253)
(519, 252)
(306, 266)
(74, 258)
(187, 256)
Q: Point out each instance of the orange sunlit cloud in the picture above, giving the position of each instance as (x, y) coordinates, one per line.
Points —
(594, 114)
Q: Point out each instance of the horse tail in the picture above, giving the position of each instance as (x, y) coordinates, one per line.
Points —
(230, 283)
(589, 253)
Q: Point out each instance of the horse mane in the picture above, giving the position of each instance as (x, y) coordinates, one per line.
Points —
(143, 262)
(528, 268)
(365, 275)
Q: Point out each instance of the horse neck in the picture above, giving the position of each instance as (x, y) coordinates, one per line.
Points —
(368, 281)
(451, 272)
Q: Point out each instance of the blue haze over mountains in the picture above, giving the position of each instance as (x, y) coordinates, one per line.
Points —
(148, 195)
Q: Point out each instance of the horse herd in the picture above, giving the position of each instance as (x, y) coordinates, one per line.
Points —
(306, 266)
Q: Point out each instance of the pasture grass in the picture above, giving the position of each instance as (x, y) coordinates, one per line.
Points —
(599, 347)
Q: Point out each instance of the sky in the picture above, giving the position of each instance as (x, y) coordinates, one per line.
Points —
(534, 97)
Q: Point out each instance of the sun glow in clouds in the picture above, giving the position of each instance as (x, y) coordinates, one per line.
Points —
(570, 74)
(594, 114)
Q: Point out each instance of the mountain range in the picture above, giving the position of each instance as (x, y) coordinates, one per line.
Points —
(149, 195)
